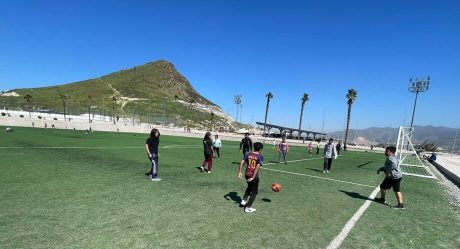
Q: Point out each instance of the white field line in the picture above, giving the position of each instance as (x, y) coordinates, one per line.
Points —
(318, 177)
(72, 147)
(305, 159)
(351, 222)
(181, 146)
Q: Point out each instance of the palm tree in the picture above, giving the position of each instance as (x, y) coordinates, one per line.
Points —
(304, 99)
(351, 97)
(89, 108)
(28, 97)
(64, 101)
(212, 120)
(269, 97)
(114, 99)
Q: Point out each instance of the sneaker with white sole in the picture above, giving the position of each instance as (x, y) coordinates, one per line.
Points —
(209, 172)
(156, 179)
(201, 169)
(249, 210)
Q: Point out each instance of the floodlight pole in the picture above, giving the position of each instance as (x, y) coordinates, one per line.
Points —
(417, 86)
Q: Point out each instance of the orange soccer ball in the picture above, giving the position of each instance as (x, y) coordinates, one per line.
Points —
(276, 187)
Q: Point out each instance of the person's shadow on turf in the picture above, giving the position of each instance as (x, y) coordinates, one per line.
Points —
(359, 196)
(317, 170)
(233, 196)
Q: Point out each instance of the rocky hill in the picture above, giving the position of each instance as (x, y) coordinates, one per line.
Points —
(155, 92)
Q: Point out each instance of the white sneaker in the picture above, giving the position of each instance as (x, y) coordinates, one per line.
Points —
(201, 169)
(209, 172)
(249, 210)
(324, 171)
(243, 202)
(327, 171)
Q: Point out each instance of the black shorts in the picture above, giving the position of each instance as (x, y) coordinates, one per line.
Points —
(391, 183)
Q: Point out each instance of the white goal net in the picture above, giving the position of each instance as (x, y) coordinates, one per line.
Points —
(409, 160)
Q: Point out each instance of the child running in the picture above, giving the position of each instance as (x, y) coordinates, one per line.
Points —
(151, 146)
(253, 161)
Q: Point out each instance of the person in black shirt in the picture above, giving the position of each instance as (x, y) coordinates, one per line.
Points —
(246, 144)
(208, 152)
(151, 146)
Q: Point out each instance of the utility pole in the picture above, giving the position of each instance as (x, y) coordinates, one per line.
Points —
(417, 86)
(455, 141)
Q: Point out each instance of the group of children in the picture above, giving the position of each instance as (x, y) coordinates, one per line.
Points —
(253, 160)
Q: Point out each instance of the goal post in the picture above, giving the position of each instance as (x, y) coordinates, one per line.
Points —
(409, 160)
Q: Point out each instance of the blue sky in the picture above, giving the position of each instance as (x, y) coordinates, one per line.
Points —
(226, 48)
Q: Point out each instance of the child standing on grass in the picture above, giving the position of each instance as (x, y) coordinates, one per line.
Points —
(309, 148)
(208, 152)
(253, 161)
(151, 146)
(330, 153)
(283, 149)
(217, 144)
(393, 177)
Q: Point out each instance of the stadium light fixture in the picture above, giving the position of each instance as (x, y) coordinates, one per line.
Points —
(417, 86)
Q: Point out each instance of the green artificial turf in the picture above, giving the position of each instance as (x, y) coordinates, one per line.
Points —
(68, 189)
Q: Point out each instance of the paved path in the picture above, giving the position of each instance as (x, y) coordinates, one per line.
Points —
(450, 166)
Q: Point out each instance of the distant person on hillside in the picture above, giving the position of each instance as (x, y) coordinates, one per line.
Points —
(151, 146)
(217, 144)
(33, 125)
(338, 147)
(208, 151)
(309, 148)
(330, 153)
(246, 144)
(393, 177)
(283, 149)
(372, 147)
(253, 162)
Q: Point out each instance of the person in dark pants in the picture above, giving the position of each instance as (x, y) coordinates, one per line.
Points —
(393, 176)
(253, 161)
(329, 153)
(338, 147)
(208, 151)
(317, 147)
(151, 146)
(246, 144)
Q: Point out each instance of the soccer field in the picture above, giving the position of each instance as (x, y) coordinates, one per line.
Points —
(67, 189)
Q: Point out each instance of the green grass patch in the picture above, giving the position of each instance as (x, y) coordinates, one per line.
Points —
(67, 189)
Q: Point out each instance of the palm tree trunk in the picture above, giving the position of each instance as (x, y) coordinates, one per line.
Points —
(348, 126)
(300, 122)
(266, 113)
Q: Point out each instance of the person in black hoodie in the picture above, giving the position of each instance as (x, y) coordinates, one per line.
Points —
(151, 146)
(246, 144)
